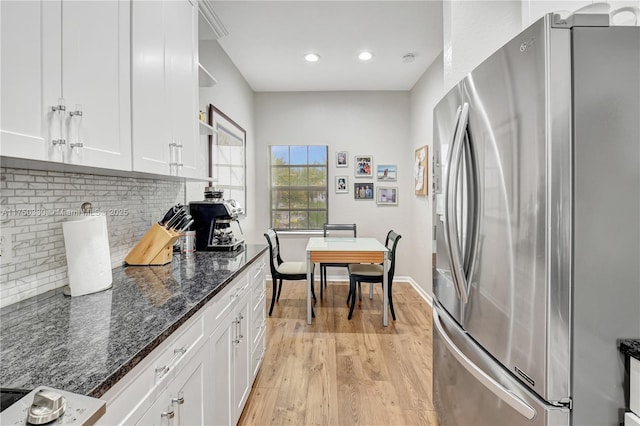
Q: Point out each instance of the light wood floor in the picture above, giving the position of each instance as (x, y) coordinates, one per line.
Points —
(341, 372)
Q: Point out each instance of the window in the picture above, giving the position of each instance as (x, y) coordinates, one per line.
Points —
(298, 187)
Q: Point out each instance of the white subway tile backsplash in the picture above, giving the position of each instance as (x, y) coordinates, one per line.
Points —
(38, 260)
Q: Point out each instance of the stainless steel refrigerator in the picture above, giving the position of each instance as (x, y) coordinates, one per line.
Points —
(537, 228)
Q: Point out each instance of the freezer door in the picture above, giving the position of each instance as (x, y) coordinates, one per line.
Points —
(507, 131)
(446, 116)
(470, 388)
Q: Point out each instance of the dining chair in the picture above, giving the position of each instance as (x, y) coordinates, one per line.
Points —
(373, 273)
(281, 270)
(335, 230)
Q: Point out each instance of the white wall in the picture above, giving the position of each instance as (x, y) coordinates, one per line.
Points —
(375, 123)
(472, 31)
(233, 96)
(423, 98)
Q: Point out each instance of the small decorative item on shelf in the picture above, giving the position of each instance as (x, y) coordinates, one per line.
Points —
(203, 117)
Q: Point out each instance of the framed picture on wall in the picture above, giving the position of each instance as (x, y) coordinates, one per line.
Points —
(386, 172)
(363, 191)
(341, 159)
(364, 165)
(420, 171)
(227, 156)
(342, 184)
(387, 196)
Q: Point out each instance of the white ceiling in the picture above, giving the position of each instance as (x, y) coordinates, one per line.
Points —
(267, 41)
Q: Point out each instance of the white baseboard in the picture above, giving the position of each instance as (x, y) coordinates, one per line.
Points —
(343, 278)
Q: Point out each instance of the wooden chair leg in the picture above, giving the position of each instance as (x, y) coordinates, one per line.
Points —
(323, 276)
(371, 291)
(349, 294)
(273, 294)
(359, 291)
(352, 292)
(313, 285)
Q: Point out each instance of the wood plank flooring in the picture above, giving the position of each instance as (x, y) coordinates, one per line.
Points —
(344, 372)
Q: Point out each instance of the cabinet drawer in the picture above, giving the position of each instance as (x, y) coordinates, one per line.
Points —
(258, 324)
(134, 394)
(257, 355)
(258, 269)
(224, 301)
(258, 296)
(634, 386)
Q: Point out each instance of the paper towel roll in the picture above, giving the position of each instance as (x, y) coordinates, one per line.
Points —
(88, 260)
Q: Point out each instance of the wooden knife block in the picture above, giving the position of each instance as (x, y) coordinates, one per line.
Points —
(154, 248)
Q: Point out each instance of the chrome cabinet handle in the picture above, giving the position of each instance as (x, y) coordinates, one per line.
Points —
(179, 400)
(169, 414)
(58, 110)
(77, 113)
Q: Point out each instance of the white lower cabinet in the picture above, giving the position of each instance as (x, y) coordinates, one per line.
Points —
(182, 402)
(230, 361)
(203, 373)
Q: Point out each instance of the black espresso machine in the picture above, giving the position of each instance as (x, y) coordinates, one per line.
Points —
(212, 220)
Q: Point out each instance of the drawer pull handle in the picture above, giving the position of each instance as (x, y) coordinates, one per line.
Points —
(177, 353)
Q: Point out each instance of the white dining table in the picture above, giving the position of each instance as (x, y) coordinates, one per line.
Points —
(348, 250)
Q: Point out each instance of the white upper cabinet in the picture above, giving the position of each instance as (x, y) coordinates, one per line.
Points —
(70, 54)
(30, 61)
(164, 87)
(96, 82)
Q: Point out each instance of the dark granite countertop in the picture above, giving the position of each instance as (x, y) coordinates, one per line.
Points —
(630, 347)
(86, 344)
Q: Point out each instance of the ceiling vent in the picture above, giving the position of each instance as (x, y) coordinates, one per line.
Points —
(210, 27)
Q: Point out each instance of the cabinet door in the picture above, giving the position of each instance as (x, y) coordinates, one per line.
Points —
(182, 81)
(189, 391)
(161, 413)
(151, 132)
(30, 78)
(221, 374)
(95, 80)
(241, 356)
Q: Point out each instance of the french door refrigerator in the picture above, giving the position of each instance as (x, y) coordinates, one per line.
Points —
(537, 228)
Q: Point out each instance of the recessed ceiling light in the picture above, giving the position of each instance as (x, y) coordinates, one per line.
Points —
(311, 57)
(365, 56)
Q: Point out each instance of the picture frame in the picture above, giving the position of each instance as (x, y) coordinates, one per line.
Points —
(363, 191)
(363, 165)
(420, 170)
(342, 184)
(342, 159)
(387, 196)
(227, 156)
(387, 172)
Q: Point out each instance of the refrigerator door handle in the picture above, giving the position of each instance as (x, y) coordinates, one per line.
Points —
(447, 194)
(498, 390)
(450, 205)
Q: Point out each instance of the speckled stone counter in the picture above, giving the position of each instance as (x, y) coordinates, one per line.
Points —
(631, 347)
(86, 344)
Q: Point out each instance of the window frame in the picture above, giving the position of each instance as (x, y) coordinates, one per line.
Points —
(306, 188)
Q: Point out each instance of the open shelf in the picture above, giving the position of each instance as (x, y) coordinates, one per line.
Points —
(206, 129)
(205, 79)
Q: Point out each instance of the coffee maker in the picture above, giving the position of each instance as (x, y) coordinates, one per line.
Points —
(212, 220)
